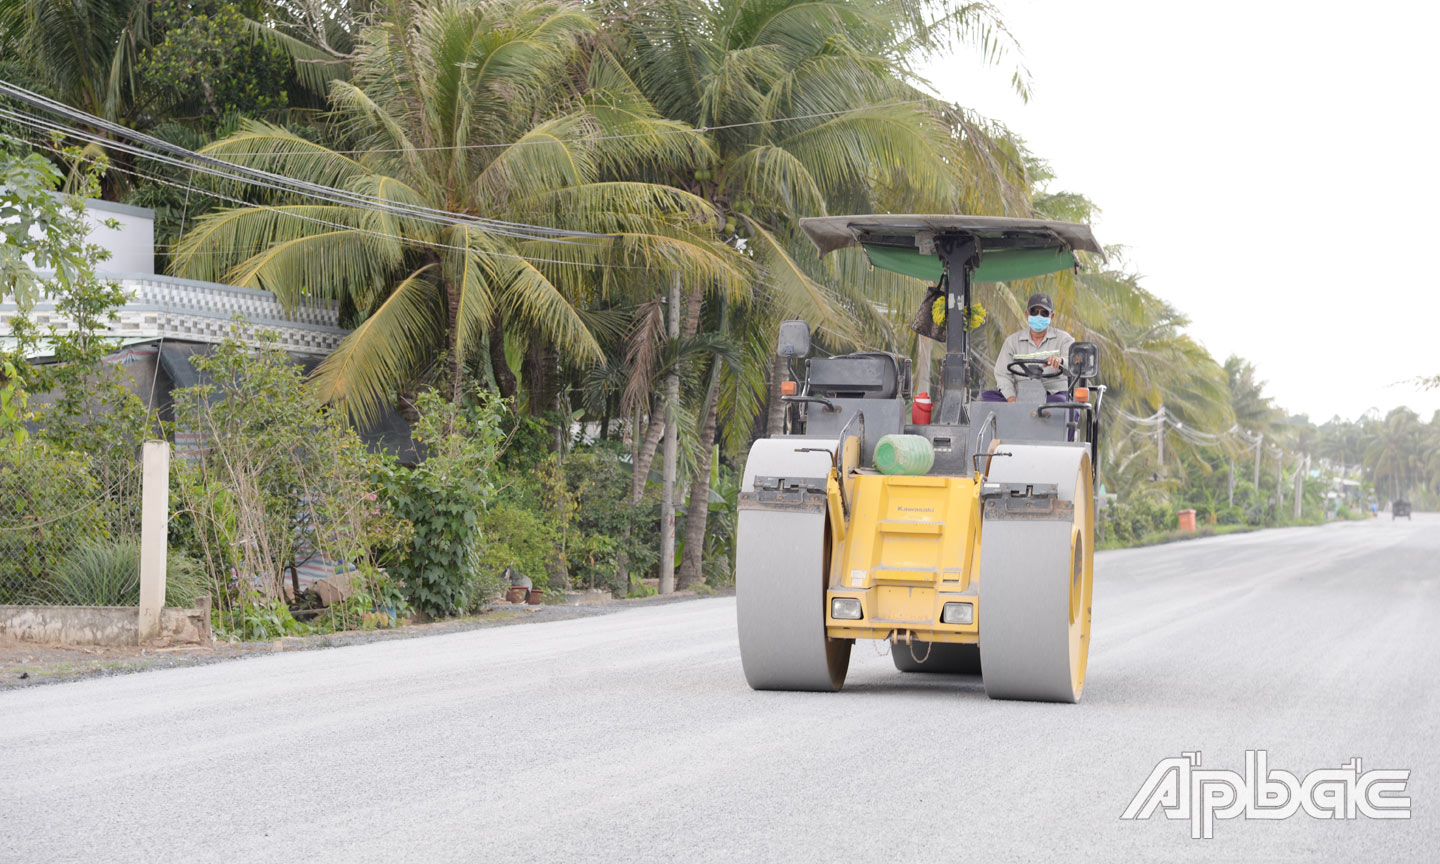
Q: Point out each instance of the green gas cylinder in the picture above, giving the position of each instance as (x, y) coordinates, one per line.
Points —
(904, 454)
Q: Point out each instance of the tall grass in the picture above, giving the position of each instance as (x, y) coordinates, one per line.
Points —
(107, 573)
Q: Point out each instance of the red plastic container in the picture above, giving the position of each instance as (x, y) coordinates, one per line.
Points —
(1187, 520)
(920, 409)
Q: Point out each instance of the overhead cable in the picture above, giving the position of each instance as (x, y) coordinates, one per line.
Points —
(684, 130)
(233, 171)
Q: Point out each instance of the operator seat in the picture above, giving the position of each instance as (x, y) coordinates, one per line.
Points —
(865, 375)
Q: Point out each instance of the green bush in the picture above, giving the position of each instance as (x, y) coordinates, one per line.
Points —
(444, 498)
(718, 564)
(1230, 515)
(254, 617)
(518, 537)
(600, 483)
(107, 573)
(280, 478)
(1134, 520)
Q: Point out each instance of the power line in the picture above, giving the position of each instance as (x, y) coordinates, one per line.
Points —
(762, 287)
(279, 182)
(382, 207)
(685, 130)
(320, 221)
(41, 125)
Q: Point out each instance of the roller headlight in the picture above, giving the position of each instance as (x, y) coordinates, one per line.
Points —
(958, 613)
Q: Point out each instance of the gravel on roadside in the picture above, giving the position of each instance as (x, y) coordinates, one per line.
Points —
(27, 664)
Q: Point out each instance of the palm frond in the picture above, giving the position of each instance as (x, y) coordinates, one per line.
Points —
(641, 352)
(314, 67)
(794, 292)
(385, 350)
(267, 147)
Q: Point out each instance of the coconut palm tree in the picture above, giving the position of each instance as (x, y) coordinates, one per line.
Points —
(1149, 362)
(1394, 456)
(807, 108)
(496, 110)
(84, 50)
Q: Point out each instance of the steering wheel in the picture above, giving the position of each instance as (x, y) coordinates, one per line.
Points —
(1033, 369)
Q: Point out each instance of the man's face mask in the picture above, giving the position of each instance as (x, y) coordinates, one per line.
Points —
(1039, 322)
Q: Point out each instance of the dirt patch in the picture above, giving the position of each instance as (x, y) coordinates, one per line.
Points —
(26, 664)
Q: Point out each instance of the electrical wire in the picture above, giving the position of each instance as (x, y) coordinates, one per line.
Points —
(383, 207)
(266, 179)
(765, 289)
(185, 159)
(686, 130)
(435, 244)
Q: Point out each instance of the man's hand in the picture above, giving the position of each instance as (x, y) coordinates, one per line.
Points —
(1011, 399)
(1053, 362)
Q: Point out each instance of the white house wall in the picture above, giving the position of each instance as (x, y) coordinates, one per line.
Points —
(131, 243)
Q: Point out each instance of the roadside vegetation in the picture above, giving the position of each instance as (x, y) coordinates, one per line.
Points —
(568, 386)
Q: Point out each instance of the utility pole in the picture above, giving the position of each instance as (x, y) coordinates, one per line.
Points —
(1300, 486)
(1279, 485)
(1232, 481)
(1258, 443)
(667, 486)
(1160, 440)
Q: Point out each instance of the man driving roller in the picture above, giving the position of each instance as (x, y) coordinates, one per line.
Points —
(1037, 338)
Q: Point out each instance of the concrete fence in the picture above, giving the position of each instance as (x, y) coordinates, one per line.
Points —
(146, 623)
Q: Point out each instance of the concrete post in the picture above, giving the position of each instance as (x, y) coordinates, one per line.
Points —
(154, 519)
(1300, 475)
(1258, 442)
(1279, 481)
(1160, 441)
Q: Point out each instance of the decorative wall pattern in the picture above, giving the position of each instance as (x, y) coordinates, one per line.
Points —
(183, 309)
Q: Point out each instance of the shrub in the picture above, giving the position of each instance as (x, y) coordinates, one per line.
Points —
(1134, 520)
(277, 477)
(518, 537)
(107, 573)
(253, 616)
(719, 561)
(444, 497)
(605, 524)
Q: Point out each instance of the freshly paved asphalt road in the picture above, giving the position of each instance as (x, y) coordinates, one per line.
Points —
(633, 736)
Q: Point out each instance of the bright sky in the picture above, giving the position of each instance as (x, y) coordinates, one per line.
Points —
(1267, 164)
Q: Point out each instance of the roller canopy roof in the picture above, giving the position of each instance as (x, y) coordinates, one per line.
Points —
(902, 243)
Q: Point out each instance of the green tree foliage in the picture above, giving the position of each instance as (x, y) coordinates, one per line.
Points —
(81, 51)
(445, 497)
(88, 406)
(273, 480)
(206, 61)
(491, 110)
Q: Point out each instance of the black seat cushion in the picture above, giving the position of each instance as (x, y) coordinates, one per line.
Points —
(856, 376)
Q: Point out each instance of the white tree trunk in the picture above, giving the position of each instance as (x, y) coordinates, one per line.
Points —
(667, 485)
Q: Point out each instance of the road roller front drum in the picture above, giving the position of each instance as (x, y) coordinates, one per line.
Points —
(1037, 574)
(781, 552)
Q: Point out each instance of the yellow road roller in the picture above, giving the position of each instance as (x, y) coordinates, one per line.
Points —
(967, 541)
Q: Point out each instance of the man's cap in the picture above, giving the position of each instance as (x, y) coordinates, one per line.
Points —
(1040, 300)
